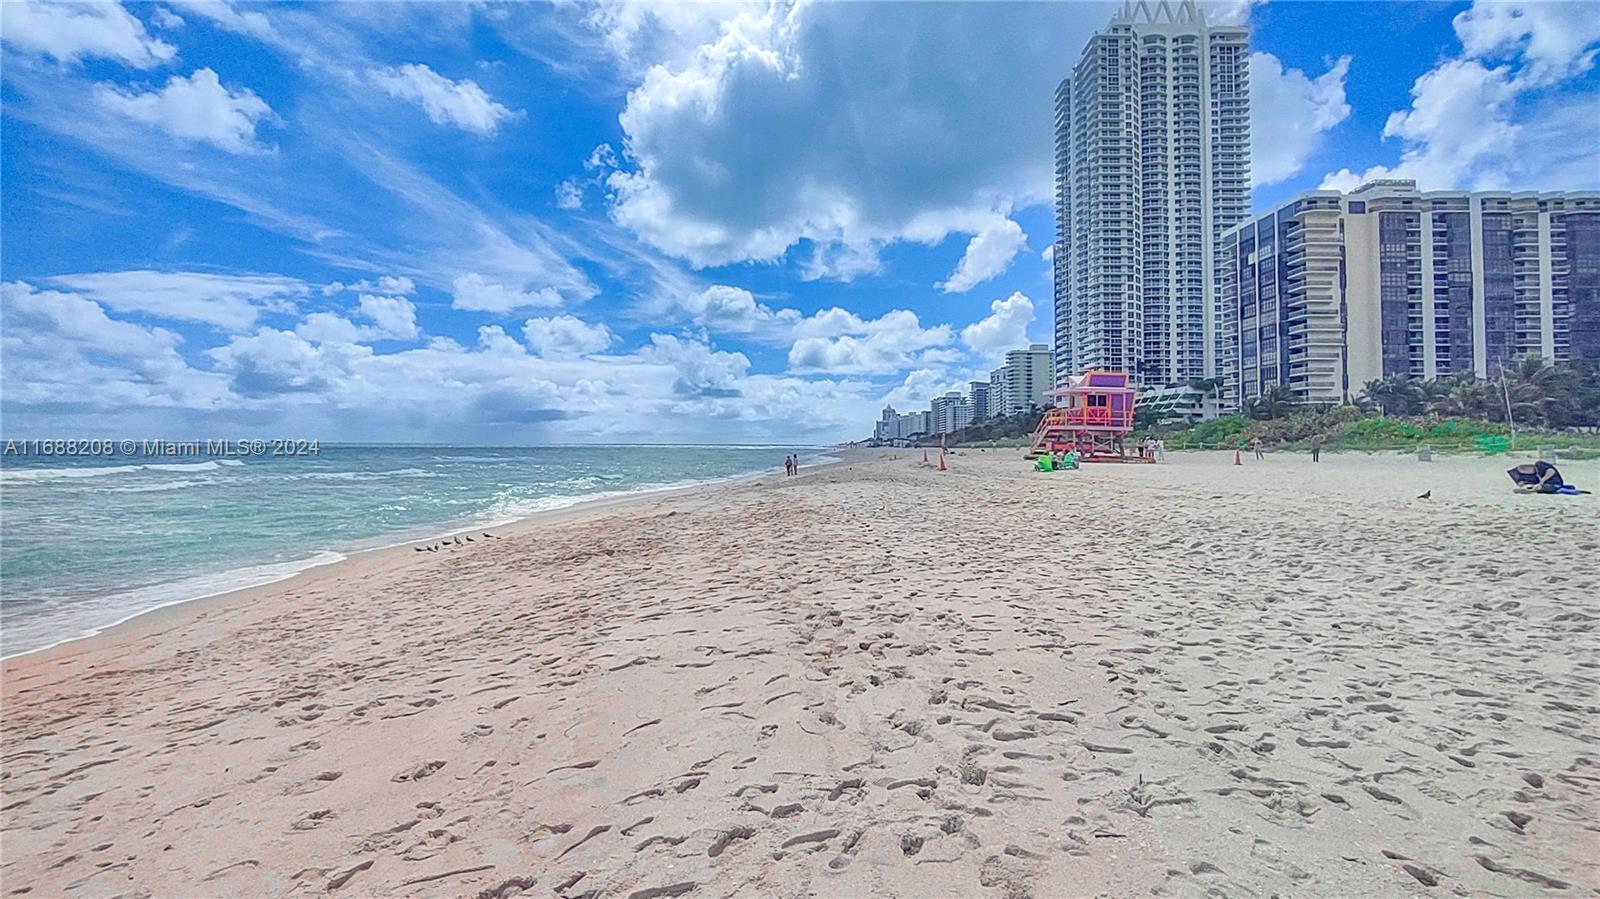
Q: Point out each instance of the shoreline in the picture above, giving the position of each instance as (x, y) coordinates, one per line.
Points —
(600, 502)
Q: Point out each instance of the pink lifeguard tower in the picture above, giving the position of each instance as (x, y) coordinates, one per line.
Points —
(1093, 417)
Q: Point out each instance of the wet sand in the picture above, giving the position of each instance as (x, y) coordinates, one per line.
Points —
(872, 679)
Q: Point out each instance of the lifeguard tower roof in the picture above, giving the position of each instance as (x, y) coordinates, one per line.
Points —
(1104, 379)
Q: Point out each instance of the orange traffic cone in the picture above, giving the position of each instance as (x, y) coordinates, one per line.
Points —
(941, 461)
(1236, 459)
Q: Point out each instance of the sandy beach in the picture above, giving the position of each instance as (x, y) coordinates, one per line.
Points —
(875, 679)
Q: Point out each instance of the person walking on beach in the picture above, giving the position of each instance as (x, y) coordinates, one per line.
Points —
(1316, 449)
(1256, 445)
(788, 465)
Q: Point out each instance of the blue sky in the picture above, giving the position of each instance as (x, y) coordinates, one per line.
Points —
(526, 223)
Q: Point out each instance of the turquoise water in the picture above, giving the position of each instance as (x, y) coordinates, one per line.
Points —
(88, 542)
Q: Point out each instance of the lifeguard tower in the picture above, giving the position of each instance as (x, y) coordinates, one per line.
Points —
(1093, 417)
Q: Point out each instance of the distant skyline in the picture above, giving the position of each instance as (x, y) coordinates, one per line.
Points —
(596, 223)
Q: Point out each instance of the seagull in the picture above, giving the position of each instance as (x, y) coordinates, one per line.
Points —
(458, 541)
(487, 534)
(417, 548)
(1426, 495)
(469, 540)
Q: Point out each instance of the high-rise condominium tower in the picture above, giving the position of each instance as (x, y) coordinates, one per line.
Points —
(1152, 165)
(1334, 290)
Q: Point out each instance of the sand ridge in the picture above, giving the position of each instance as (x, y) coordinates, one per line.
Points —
(873, 679)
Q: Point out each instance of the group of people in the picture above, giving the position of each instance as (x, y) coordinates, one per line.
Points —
(791, 464)
(1154, 449)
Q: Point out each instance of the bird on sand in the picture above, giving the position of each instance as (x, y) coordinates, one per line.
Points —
(1426, 495)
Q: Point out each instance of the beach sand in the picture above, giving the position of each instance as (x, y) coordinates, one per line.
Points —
(872, 679)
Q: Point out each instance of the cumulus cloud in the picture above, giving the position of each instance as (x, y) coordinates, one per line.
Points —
(1469, 122)
(877, 346)
(565, 335)
(920, 386)
(988, 254)
(1289, 114)
(195, 109)
(1004, 328)
(472, 292)
(763, 129)
(727, 308)
(59, 348)
(1553, 40)
(328, 327)
(461, 103)
(702, 371)
(230, 302)
(69, 32)
(392, 317)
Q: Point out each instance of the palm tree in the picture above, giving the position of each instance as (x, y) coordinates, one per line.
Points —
(1532, 388)
(1393, 394)
(1432, 393)
(1275, 402)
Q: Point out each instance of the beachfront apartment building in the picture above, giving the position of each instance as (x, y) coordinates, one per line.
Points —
(1152, 134)
(950, 412)
(997, 392)
(1025, 380)
(893, 427)
(978, 400)
(1332, 290)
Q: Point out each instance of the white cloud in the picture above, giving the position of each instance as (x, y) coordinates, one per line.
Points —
(326, 327)
(1004, 328)
(197, 108)
(59, 349)
(569, 195)
(324, 381)
(565, 335)
(785, 125)
(230, 302)
(701, 370)
(471, 291)
(988, 254)
(461, 103)
(1554, 40)
(727, 308)
(165, 18)
(1465, 125)
(1289, 114)
(1459, 120)
(390, 284)
(920, 386)
(68, 32)
(82, 322)
(1048, 254)
(225, 15)
(393, 317)
(877, 346)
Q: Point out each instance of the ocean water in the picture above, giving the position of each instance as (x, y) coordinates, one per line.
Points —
(88, 542)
